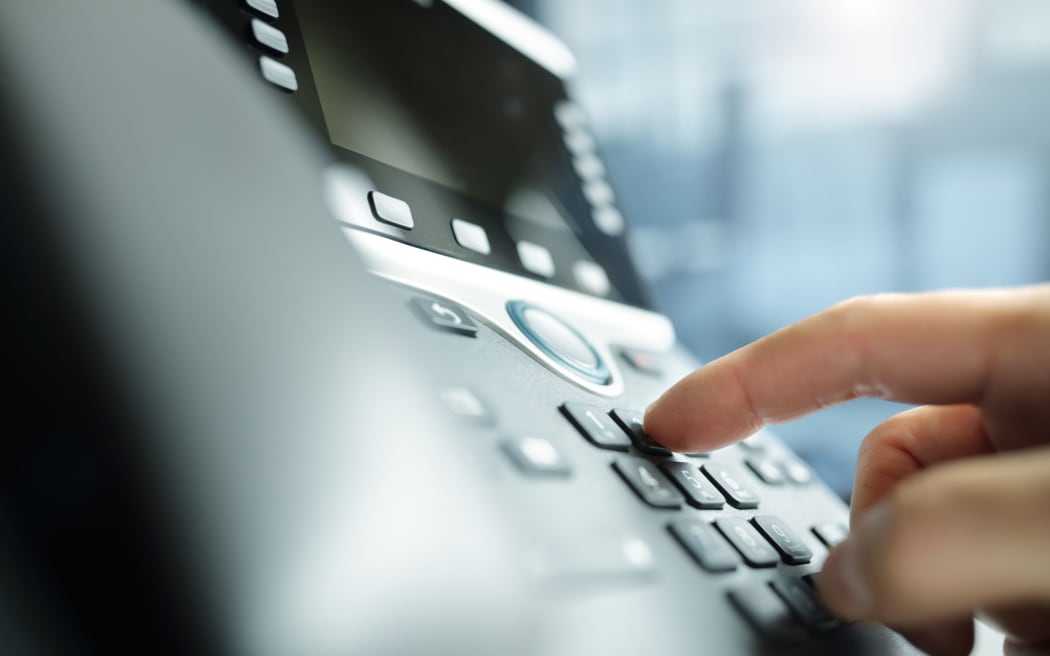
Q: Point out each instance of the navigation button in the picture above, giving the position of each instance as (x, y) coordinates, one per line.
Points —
(559, 340)
(444, 316)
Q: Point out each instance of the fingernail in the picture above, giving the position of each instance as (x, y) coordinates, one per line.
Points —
(848, 592)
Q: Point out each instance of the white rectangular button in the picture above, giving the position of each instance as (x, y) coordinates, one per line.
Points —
(268, 7)
(269, 36)
(277, 73)
(391, 210)
(471, 236)
(536, 259)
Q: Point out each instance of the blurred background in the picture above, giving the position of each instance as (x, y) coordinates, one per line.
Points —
(775, 156)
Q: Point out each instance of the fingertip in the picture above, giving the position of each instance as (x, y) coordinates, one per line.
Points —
(842, 585)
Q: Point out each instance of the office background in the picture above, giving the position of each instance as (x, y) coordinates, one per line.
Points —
(775, 156)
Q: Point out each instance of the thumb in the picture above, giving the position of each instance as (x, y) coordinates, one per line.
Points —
(962, 535)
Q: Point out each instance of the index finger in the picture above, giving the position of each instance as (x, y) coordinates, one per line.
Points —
(946, 347)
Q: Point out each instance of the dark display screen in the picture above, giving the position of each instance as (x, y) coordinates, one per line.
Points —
(447, 117)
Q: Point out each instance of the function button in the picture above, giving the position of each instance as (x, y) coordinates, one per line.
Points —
(579, 141)
(471, 236)
(631, 423)
(830, 533)
(269, 36)
(756, 442)
(647, 481)
(536, 456)
(642, 361)
(589, 166)
(767, 470)
(265, 7)
(569, 115)
(596, 426)
(591, 278)
(699, 491)
(536, 259)
(609, 220)
(393, 211)
(465, 404)
(768, 613)
(705, 545)
(598, 192)
(755, 550)
(802, 599)
(559, 340)
(278, 74)
(787, 542)
(444, 316)
(797, 472)
(728, 481)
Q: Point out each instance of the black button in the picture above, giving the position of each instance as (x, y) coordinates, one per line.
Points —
(444, 316)
(755, 550)
(536, 456)
(768, 613)
(647, 481)
(803, 600)
(698, 490)
(631, 423)
(830, 533)
(705, 545)
(559, 340)
(790, 545)
(728, 481)
(767, 470)
(596, 426)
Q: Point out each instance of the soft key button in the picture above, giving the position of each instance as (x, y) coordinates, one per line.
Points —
(265, 7)
(559, 340)
(269, 36)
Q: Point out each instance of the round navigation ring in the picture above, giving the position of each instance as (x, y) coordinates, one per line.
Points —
(560, 341)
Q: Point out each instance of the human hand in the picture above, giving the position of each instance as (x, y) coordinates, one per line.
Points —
(951, 504)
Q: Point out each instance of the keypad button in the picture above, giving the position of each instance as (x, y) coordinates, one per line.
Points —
(787, 542)
(596, 426)
(766, 470)
(698, 490)
(830, 533)
(631, 422)
(390, 210)
(728, 481)
(756, 551)
(536, 456)
(707, 547)
(802, 599)
(768, 613)
(444, 315)
(648, 483)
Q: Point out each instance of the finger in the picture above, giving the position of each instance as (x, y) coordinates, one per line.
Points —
(964, 535)
(912, 348)
(946, 638)
(1022, 625)
(911, 441)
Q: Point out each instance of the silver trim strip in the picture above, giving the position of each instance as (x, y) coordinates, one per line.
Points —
(485, 293)
(520, 32)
